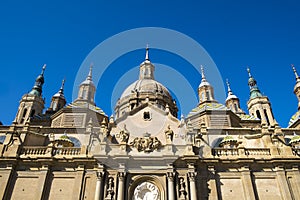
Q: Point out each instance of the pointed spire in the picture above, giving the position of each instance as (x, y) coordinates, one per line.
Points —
(89, 77)
(147, 53)
(146, 67)
(202, 73)
(228, 87)
(295, 72)
(203, 78)
(249, 73)
(43, 69)
(61, 90)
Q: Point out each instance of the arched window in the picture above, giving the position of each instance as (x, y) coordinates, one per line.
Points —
(207, 95)
(235, 107)
(266, 114)
(32, 113)
(258, 114)
(24, 115)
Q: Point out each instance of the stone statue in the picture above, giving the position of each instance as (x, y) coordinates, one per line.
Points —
(182, 191)
(124, 134)
(169, 134)
(110, 187)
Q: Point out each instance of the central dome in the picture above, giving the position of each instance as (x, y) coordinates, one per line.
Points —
(145, 90)
(146, 86)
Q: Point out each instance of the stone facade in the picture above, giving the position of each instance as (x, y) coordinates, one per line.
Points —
(217, 151)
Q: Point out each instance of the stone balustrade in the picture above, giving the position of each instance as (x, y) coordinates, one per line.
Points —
(257, 151)
(218, 151)
(51, 151)
(225, 151)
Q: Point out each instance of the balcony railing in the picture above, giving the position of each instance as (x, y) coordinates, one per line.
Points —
(258, 152)
(218, 151)
(225, 151)
(51, 151)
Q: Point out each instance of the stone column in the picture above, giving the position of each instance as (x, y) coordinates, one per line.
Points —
(282, 182)
(296, 181)
(171, 194)
(98, 191)
(192, 179)
(247, 182)
(121, 177)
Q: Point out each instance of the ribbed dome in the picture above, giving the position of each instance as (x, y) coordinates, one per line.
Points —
(146, 86)
(145, 90)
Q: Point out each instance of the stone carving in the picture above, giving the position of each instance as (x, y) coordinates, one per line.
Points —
(146, 191)
(182, 191)
(169, 134)
(124, 135)
(110, 188)
(146, 143)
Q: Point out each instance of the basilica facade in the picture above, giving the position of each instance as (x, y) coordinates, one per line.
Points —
(145, 151)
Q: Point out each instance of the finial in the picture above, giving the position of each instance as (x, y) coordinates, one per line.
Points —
(90, 72)
(295, 71)
(228, 87)
(61, 90)
(147, 53)
(248, 70)
(43, 69)
(202, 72)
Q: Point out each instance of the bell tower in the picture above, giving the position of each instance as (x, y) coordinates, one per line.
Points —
(31, 103)
(259, 105)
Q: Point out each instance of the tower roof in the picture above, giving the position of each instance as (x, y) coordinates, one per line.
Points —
(230, 93)
(37, 89)
(60, 93)
(89, 80)
(254, 91)
(203, 78)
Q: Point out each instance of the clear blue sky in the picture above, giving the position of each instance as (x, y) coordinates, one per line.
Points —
(264, 35)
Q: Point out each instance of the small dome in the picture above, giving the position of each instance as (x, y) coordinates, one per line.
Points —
(146, 86)
(204, 83)
(87, 82)
(232, 96)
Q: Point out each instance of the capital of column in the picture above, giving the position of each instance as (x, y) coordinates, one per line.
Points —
(121, 176)
(192, 176)
(170, 176)
(99, 175)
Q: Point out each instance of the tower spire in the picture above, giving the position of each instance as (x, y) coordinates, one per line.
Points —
(228, 88)
(147, 53)
(61, 90)
(89, 77)
(146, 67)
(295, 72)
(38, 85)
(254, 91)
(249, 73)
(202, 74)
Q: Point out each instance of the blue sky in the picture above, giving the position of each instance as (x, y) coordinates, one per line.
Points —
(264, 35)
